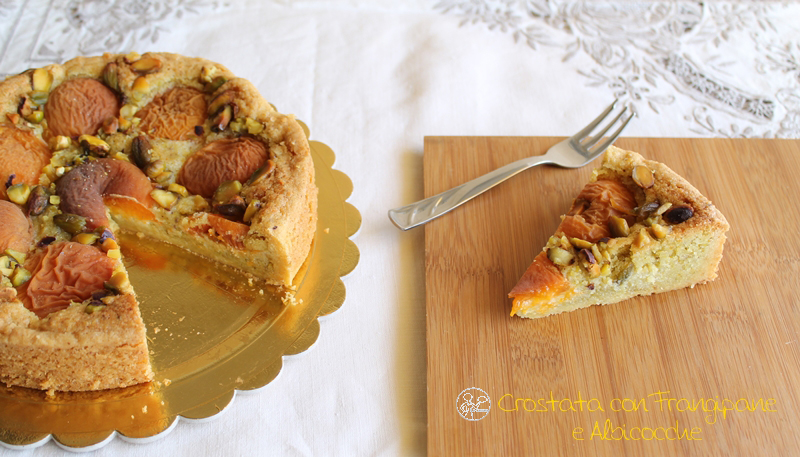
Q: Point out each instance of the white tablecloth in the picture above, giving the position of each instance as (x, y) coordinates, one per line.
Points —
(371, 79)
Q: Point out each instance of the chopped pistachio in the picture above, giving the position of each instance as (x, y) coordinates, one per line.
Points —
(109, 244)
(85, 238)
(26, 106)
(207, 73)
(588, 256)
(35, 117)
(60, 142)
(580, 244)
(19, 193)
(226, 191)
(596, 252)
(235, 209)
(132, 56)
(93, 307)
(38, 200)
(178, 189)
(15, 255)
(641, 239)
(252, 209)
(650, 221)
(141, 151)
(253, 127)
(111, 76)
(215, 84)
(191, 204)
(140, 86)
(70, 223)
(163, 177)
(6, 268)
(20, 276)
(663, 208)
(658, 231)
(618, 226)
(645, 210)
(164, 198)
(643, 177)
(264, 170)
(124, 124)
(117, 283)
(39, 97)
(41, 80)
(155, 168)
(559, 256)
(146, 65)
(127, 111)
(121, 156)
(237, 126)
(222, 119)
(217, 103)
(94, 145)
(110, 125)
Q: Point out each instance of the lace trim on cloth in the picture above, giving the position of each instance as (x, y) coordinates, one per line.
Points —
(92, 27)
(704, 50)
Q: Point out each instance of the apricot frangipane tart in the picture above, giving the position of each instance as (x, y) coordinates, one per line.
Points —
(636, 228)
(176, 149)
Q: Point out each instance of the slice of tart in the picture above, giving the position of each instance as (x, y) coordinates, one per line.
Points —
(75, 324)
(636, 228)
(171, 148)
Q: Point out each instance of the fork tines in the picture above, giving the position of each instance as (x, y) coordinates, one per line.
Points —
(588, 143)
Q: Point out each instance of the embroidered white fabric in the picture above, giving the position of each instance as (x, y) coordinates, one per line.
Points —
(371, 79)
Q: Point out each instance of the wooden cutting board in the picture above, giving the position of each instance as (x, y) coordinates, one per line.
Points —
(707, 347)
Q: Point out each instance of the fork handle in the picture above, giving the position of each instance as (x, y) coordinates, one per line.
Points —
(415, 214)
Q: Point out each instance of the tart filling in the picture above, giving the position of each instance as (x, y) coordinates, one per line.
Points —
(636, 228)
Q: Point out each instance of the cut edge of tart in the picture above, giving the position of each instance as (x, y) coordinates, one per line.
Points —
(92, 344)
(637, 228)
(171, 148)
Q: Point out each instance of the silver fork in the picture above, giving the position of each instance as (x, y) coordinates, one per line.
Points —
(574, 152)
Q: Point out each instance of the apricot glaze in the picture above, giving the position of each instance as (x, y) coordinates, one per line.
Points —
(22, 155)
(598, 201)
(82, 189)
(229, 159)
(80, 106)
(16, 231)
(174, 114)
(222, 230)
(62, 273)
(587, 220)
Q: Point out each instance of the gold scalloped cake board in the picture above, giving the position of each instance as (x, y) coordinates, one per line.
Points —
(211, 332)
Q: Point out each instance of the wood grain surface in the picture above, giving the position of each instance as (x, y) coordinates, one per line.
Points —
(705, 348)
